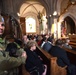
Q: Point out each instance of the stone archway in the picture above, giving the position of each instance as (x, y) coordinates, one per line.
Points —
(67, 26)
(70, 25)
(32, 9)
(70, 19)
(67, 20)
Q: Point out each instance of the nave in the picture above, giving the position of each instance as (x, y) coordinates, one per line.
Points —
(26, 20)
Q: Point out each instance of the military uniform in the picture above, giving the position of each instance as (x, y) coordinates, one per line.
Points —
(7, 63)
(2, 44)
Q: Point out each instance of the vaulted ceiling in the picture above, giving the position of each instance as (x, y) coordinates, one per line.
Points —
(31, 7)
(25, 6)
(47, 7)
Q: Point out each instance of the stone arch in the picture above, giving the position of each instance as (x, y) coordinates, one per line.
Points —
(70, 16)
(58, 6)
(62, 17)
(33, 15)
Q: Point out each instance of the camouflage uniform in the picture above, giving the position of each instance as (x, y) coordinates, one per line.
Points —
(7, 63)
(2, 44)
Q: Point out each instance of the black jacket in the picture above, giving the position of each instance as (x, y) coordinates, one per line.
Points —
(61, 55)
(33, 61)
(62, 59)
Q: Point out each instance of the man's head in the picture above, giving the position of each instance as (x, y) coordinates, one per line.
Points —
(2, 27)
(59, 42)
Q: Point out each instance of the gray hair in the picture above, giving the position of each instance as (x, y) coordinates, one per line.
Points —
(31, 43)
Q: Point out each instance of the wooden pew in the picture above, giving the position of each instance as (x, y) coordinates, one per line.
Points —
(71, 54)
(51, 62)
(72, 38)
(73, 44)
(23, 71)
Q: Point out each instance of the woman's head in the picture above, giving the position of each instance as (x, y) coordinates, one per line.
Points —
(31, 45)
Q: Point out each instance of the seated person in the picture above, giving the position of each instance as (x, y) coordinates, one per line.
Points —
(39, 40)
(66, 44)
(33, 61)
(43, 41)
(63, 59)
(47, 46)
(7, 63)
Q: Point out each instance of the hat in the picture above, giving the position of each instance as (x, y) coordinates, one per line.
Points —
(1, 19)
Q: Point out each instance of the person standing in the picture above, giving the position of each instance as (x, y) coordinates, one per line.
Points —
(8, 63)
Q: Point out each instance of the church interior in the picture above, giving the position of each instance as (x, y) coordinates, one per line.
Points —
(42, 17)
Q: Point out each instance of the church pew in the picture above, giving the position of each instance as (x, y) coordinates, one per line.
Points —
(72, 38)
(73, 44)
(51, 62)
(71, 54)
(22, 70)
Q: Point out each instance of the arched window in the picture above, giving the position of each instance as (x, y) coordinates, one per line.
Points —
(30, 25)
